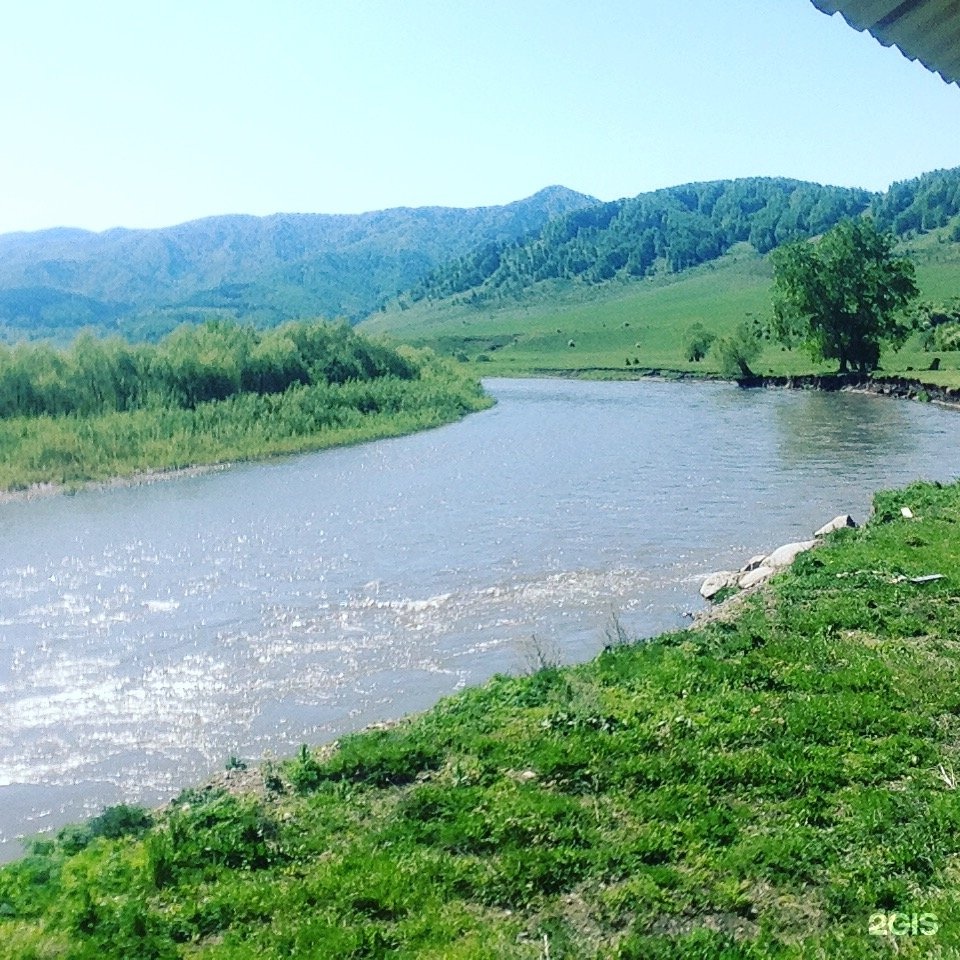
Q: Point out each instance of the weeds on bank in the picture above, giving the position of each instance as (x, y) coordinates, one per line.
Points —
(74, 449)
(782, 785)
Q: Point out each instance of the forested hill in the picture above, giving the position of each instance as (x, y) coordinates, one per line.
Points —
(666, 230)
(924, 203)
(264, 269)
(672, 229)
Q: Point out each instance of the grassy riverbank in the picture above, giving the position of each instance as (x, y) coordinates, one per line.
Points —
(70, 451)
(786, 784)
(219, 394)
(626, 330)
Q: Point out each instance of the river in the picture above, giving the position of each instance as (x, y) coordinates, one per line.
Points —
(148, 633)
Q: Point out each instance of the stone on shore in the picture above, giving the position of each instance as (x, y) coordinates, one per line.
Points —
(761, 568)
(758, 575)
(718, 581)
(785, 555)
(837, 523)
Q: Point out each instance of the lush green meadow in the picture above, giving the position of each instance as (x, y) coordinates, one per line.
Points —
(627, 329)
(780, 784)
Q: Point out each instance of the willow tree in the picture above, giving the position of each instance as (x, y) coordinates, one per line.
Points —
(844, 296)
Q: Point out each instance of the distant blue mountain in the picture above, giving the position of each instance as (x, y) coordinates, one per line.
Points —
(266, 269)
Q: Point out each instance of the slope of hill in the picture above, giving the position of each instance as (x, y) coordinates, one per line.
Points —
(628, 328)
(665, 231)
(555, 247)
(265, 269)
(566, 327)
(921, 204)
(520, 319)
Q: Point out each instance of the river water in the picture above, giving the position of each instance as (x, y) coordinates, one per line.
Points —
(149, 633)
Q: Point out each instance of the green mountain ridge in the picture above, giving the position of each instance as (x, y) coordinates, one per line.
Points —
(671, 230)
(547, 305)
(668, 230)
(396, 268)
(264, 269)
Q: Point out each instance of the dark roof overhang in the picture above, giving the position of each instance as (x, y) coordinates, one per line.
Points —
(924, 30)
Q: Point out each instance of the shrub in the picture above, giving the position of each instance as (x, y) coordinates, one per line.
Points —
(697, 342)
(736, 352)
(384, 758)
(121, 821)
(221, 831)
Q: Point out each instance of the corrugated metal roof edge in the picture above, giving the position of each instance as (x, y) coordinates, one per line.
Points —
(830, 7)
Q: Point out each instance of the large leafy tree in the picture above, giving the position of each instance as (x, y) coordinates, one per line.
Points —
(844, 296)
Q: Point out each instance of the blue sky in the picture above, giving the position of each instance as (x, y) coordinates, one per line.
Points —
(145, 114)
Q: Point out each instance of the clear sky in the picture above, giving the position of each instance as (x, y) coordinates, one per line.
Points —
(142, 113)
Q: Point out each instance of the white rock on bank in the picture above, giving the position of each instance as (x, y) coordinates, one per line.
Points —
(718, 581)
(752, 577)
(785, 555)
(763, 566)
(837, 523)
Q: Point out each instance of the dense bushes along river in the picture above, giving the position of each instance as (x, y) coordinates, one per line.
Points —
(209, 394)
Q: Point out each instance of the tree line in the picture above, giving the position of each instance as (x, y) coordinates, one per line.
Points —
(680, 227)
(670, 229)
(921, 204)
(192, 365)
(219, 392)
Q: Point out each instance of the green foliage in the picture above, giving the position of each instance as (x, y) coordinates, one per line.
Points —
(947, 337)
(193, 365)
(384, 758)
(121, 820)
(115, 822)
(305, 772)
(672, 229)
(104, 410)
(219, 831)
(924, 497)
(843, 297)
(737, 351)
(922, 204)
(698, 342)
(939, 324)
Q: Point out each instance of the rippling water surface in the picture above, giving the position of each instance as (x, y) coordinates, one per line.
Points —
(148, 633)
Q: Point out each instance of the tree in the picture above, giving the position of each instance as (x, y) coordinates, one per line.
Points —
(844, 296)
(736, 352)
(698, 341)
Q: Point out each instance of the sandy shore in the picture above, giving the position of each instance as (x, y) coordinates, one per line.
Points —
(41, 490)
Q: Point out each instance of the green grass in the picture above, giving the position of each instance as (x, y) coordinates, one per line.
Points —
(772, 786)
(72, 450)
(646, 322)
